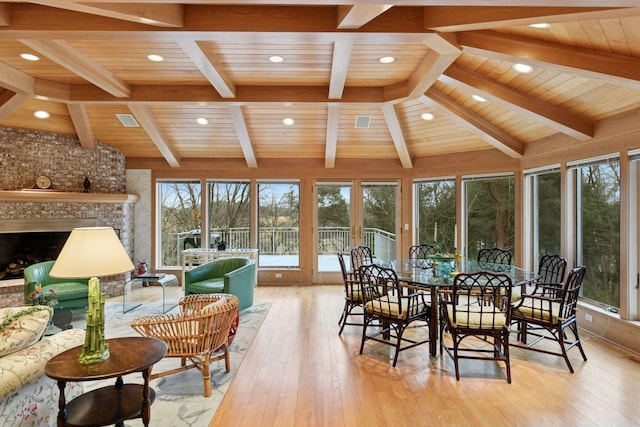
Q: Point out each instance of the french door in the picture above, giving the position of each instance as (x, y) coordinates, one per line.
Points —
(352, 213)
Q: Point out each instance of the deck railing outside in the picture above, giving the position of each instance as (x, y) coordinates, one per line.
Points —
(285, 240)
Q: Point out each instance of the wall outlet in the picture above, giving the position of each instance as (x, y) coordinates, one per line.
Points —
(588, 317)
(278, 275)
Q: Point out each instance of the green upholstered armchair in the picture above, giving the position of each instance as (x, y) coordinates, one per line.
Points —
(72, 293)
(235, 276)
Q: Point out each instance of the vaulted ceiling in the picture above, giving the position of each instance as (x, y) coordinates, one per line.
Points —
(93, 66)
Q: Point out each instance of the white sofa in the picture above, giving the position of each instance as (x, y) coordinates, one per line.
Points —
(27, 396)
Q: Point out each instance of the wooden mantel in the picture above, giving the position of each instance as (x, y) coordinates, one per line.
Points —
(65, 197)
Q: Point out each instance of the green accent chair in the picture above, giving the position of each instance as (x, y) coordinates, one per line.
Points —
(72, 293)
(235, 276)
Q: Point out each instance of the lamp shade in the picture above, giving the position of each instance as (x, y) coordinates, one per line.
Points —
(91, 252)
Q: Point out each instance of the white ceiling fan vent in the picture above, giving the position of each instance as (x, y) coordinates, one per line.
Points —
(127, 120)
(362, 122)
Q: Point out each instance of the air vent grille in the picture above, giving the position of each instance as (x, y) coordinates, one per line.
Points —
(363, 122)
(127, 120)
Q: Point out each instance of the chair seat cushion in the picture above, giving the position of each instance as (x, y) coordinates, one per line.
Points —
(388, 306)
(472, 317)
(68, 290)
(209, 286)
(537, 313)
(354, 295)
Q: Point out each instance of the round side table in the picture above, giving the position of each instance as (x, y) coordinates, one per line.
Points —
(111, 404)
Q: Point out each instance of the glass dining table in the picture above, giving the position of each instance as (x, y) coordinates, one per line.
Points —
(423, 274)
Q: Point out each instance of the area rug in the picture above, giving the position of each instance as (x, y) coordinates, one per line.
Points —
(179, 397)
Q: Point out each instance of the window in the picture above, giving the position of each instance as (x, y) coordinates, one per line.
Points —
(490, 214)
(379, 218)
(435, 213)
(179, 220)
(279, 224)
(543, 213)
(598, 229)
(229, 211)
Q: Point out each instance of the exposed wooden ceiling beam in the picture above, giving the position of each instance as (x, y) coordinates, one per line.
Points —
(243, 135)
(150, 94)
(456, 18)
(157, 135)
(210, 23)
(331, 143)
(397, 136)
(440, 56)
(10, 102)
(339, 67)
(356, 15)
(551, 115)
(81, 122)
(15, 80)
(210, 67)
(160, 15)
(5, 14)
(474, 123)
(74, 60)
(616, 69)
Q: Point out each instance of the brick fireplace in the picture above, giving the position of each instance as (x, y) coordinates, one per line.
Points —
(26, 155)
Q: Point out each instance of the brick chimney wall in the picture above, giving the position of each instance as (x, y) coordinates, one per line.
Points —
(24, 155)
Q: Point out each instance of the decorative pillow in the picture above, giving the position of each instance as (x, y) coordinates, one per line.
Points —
(209, 308)
(21, 327)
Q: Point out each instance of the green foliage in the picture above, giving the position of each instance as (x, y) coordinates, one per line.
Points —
(491, 214)
(333, 209)
(600, 219)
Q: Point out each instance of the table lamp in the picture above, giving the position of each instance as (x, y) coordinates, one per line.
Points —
(92, 252)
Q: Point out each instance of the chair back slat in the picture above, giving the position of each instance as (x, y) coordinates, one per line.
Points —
(420, 251)
(551, 270)
(494, 256)
(571, 291)
(361, 255)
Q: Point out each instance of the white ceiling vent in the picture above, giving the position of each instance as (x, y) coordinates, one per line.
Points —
(127, 120)
(362, 122)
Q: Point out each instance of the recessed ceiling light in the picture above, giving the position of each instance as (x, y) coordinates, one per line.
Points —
(426, 116)
(202, 121)
(523, 68)
(276, 58)
(29, 57)
(387, 59)
(288, 121)
(478, 98)
(155, 58)
(41, 114)
(540, 25)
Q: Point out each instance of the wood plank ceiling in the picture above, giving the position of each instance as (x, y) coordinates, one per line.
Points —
(93, 65)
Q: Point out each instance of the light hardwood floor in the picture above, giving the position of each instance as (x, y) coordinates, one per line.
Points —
(299, 372)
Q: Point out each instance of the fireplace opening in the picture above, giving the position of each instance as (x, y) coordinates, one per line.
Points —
(20, 250)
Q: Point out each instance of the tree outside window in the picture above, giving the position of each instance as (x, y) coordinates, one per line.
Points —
(490, 212)
(436, 204)
(179, 219)
(599, 231)
(279, 224)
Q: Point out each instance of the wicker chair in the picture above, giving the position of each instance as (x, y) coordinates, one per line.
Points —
(352, 295)
(477, 308)
(197, 333)
(548, 315)
(389, 310)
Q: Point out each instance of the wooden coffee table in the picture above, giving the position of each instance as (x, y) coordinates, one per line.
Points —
(111, 404)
